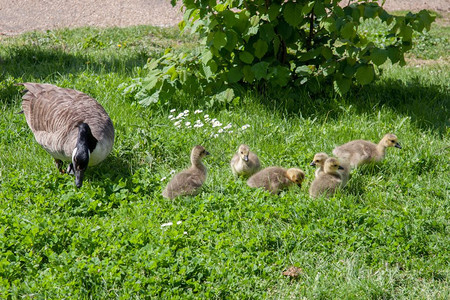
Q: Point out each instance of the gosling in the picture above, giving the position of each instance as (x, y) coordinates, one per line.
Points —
(244, 162)
(189, 181)
(319, 161)
(360, 152)
(329, 181)
(275, 179)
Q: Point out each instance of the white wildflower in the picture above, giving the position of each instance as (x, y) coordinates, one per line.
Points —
(187, 124)
(170, 117)
(198, 125)
(215, 123)
(166, 224)
(164, 178)
(220, 130)
(228, 126)
(179, 222)
(198, 111)
(186, 112)
(177, 123)
(172, 172)
(180, 116)
(206, 116)
(245, 127)
(172, 110)
(216, 135)
(231, 131)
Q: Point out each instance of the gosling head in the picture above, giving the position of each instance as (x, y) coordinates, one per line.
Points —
(390, 140)
(296, 176)
(319, 159)
(332, 165)
(198, 152)
(243, 152)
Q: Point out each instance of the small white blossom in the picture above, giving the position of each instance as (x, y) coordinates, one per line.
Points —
(206, 116)
(220, 130)
(164, 178)
(179, 222)
(170, 117)
(216, 135)
(231, 131)
(172, 172)
(172, 110)
(177, 123)
(198, 125)
(166, 224)
(245, 126)
(216, 123)
(186, 112)
(228, 126)
(187, 124)
(198, 111)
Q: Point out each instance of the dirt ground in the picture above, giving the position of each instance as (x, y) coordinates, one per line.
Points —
(18, 16)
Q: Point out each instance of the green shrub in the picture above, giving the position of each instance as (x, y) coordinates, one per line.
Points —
(276, 44)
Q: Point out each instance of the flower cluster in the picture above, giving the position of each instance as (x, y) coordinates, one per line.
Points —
(213, 127)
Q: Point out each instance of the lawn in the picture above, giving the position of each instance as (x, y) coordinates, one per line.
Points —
(386, 235)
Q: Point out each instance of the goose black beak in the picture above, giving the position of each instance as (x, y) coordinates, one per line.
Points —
(299, 185)
(245, 158)
(341, 168)
(312, 164)
(397, 145)
(79, 178)
(207, 153)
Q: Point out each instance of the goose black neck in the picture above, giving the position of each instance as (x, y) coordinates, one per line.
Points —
(85, 137)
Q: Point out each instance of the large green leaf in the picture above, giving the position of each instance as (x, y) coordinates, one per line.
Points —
(378, 56)
(234, 74)
(220, 39)
(365, 74)
(246, 57)
(292, 13)
(342, 85)
(260, 48)
(260, 70)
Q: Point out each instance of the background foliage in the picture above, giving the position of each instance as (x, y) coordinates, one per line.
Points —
(274, 44)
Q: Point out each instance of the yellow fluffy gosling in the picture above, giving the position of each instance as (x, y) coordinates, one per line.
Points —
(189, 181)
(361, 152)
(244, 162)
(275, 179)
(329, 180)
(319, 161)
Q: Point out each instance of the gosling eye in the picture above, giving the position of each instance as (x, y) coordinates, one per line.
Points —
(393, 141)
(317, 161)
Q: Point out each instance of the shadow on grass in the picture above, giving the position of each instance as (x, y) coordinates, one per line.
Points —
(427, 105)
(34, 63)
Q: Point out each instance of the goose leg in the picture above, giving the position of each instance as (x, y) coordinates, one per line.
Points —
(59, 165)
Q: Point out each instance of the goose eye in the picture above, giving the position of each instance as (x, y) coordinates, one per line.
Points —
(392, 141)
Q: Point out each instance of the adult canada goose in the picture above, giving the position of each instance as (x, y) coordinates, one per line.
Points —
(319, 161)
(244, 162)
(189, 181)
(69, 125)
(329, 180)
(274, 179)
(361, 152)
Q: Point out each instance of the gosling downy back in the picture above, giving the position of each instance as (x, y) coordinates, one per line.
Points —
(189, 181)
(275, 179)
(244, 162)
(361, 152)
(329, 180)
(69, 125)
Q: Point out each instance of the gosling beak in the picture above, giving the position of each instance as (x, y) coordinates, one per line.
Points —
(312, 164)
(299, 185)
(341, 168)
(207, 153)
(397, 145)
(246, 158)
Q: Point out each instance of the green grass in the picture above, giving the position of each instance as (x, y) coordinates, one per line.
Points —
(386, 235)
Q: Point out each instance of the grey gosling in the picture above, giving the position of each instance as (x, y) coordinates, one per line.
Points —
(329, 180)
(244, 162)
(275, 179)
(69, 125)
(189, 181)
(360, 152)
